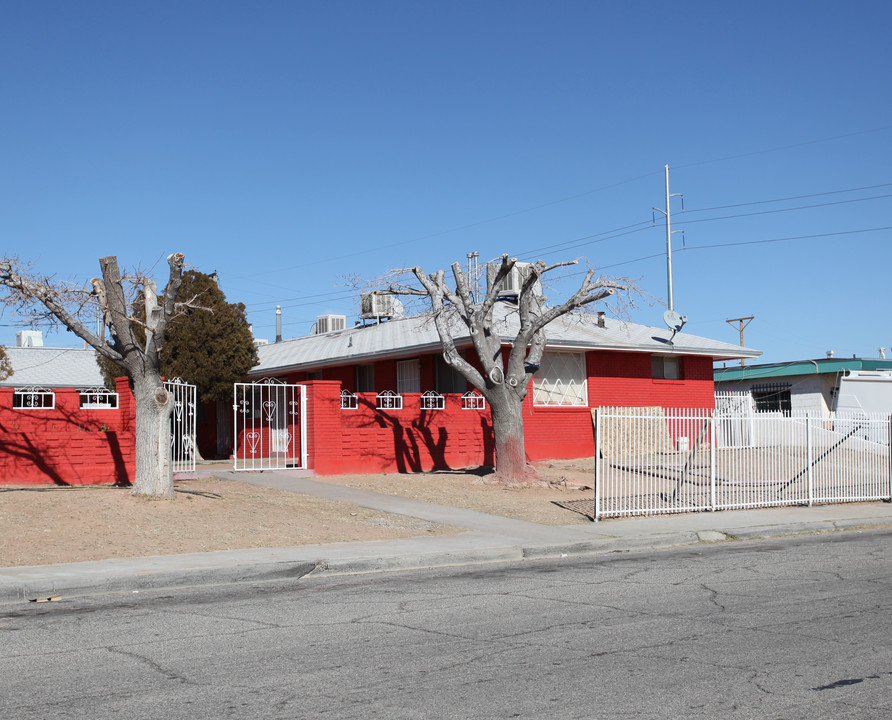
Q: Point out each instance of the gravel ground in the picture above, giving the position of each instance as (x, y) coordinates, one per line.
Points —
(47, 524)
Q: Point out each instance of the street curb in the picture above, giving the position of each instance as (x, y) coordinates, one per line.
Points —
(420, 561)
(101, 577)
(71, 584)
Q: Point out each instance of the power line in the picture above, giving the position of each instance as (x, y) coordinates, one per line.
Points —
(785, 147)
(785, 239)
(785, 199)
(575, 196)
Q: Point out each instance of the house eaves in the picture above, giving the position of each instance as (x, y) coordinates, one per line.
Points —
(799, 367)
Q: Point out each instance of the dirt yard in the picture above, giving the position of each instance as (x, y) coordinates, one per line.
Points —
(41, 525)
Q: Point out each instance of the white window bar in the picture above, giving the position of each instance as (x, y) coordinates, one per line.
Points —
(431, 400)
(473, 400)
(98, 398)
(33, 398)
(561, 380)
(349, 401)
(389, 400)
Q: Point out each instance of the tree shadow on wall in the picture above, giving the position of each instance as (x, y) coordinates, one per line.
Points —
(420, 438)
(22, 447)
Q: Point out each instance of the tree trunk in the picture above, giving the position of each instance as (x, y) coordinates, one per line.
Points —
(154, 472)
(507, 425)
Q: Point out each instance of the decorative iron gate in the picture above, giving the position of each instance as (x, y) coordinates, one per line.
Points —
(182, 425)
(270, 431)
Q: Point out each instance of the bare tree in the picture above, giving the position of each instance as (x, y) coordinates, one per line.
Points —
(43, 299)
(502, 377)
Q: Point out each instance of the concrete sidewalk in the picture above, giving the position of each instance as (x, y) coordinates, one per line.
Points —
(489, 539)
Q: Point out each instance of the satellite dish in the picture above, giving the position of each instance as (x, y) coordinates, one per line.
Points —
(673, 320)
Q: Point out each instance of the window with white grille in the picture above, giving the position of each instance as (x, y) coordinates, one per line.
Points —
(98, 398)
(408, 376)
(561, 380)
(472, 400)
(389, 400)
(349, 401)
(33, 398)
(431, 400)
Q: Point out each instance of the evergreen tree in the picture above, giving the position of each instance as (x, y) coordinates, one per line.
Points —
(5, 365)
(213, 347)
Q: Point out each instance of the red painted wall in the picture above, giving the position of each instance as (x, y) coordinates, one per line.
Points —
(411, 440)
(66, 445)
(408, 440)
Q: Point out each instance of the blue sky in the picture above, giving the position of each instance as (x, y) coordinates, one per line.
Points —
(287, 145)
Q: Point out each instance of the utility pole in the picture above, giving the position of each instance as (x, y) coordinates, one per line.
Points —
(668, 213)
(742, 322)
(474, 274)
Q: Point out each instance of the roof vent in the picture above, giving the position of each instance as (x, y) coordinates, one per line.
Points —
(378, 305)
(329, 323)
(29, 338)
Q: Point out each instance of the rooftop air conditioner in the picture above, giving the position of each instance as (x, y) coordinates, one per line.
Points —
(379, 305)
(329, 323)
(511, 285)
(29, 338)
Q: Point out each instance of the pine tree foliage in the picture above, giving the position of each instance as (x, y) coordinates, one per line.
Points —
(213, 347)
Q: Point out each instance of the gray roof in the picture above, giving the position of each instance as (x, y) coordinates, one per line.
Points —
(52, 368)
(415, 335)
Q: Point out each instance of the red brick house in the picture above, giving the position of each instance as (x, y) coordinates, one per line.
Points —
(59, 425)
(381, 398)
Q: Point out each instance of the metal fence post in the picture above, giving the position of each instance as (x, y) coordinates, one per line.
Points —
(597, 512)
(808, 438)
(712, 448)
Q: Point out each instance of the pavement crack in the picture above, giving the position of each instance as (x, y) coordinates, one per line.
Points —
(157, 667)
(714, 596)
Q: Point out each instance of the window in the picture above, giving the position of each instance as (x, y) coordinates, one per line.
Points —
(408, 376)
(772, 398)
(98, 398)
(449, 380)
(561, 380)
(432, 401)
(349, 401)
(389, 400)
(33, 398)
(473, 400)
(365, 378)
(314, 375)
(665, 367)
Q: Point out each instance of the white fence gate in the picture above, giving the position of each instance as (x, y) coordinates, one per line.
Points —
(655, 460)
(182, 425)
(269, 424)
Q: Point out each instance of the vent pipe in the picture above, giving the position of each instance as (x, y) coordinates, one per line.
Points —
(278, 323)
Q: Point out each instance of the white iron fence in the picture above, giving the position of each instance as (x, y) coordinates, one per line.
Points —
(654, 460)
(182, 425)
(270, 426)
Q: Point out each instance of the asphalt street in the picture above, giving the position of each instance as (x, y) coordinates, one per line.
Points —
(796, 627)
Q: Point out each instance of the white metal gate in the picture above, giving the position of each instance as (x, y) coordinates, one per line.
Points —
(182, 425)
(269, 424)
(662, 460)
